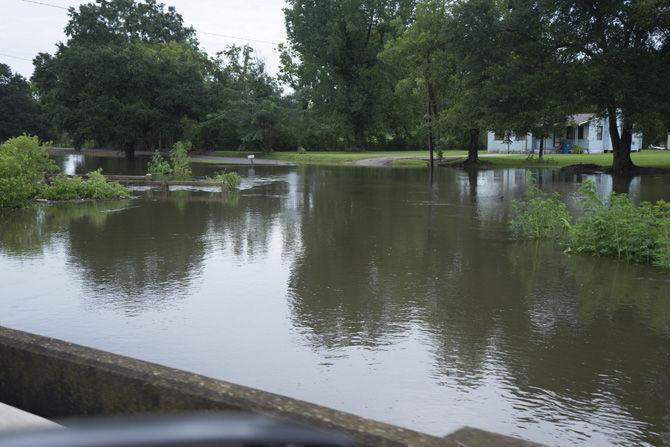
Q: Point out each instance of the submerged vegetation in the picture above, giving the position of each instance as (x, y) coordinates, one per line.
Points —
(177, 168)
(24, 165)
(616, 228)
(95, 186)
(230, 179)
(539, 215)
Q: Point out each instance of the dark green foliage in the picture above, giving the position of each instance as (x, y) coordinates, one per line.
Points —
(621, 230)
(23, 164)
(70, 188)
(20, 112)
(129, 76)
(539, 215)
(333, 61)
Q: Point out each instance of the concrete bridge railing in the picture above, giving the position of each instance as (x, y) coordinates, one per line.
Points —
(55, 379)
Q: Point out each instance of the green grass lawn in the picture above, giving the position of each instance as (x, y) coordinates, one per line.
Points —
(652, 159)
(657, 159)
(329, 157)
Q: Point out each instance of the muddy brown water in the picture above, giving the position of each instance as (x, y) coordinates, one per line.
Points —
(372, 291)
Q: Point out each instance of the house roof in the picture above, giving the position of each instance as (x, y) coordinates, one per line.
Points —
(582, 118)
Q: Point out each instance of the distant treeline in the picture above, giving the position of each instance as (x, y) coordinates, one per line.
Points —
(355, 74)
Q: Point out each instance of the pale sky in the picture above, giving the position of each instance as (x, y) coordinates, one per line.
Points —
(27, 28)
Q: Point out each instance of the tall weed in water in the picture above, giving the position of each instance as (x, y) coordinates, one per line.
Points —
(181, 167)
(159, 167)
(230, 179)
(539, 215)
(622, 230)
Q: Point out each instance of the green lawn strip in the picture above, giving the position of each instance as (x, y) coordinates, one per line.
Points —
(656, 159)
(327, 157)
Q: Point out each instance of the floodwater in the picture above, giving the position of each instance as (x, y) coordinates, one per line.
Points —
(373, 291)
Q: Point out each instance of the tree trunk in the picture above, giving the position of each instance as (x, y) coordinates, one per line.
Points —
(541, 147)
(621, 144)
(129, 150)
(429, 118)
(473, 147)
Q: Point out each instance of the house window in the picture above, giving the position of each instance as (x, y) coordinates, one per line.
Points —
(570, 133)
(580, 133)
(599, 133)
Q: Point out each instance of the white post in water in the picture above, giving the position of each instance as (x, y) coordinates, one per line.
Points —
(251, 158)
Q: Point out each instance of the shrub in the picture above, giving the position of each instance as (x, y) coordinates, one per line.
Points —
(181, 167)
(302, 150)
(622, 230)
(159, 167)
(230, 179)
(577, 149)
(440, 154)
(23, 164)
(96, 186)
(539, 214)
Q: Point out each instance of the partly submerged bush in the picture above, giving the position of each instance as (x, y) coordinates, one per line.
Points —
(539, 214)
(617, 229)
(230, 179)
(159, 167)
(95, 187)
(622, 230)
(181, 167)
(23, 164)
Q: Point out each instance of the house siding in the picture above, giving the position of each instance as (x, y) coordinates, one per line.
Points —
(589, 141)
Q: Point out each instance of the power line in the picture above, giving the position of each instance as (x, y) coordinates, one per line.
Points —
(238, 38)
(51, 5)
(16, 57)
(226, 36)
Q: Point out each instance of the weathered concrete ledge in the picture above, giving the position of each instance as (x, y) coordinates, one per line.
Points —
(55, 379)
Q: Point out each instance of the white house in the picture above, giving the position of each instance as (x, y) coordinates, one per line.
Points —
(586, 130)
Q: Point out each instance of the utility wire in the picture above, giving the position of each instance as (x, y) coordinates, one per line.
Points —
(226, 36)
(16, 57)
(51, 5)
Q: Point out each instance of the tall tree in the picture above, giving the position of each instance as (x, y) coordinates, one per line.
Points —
(529, 90)
(337, 43)
(130, 75)
(425, 62)
(20, 112)
(622, 48)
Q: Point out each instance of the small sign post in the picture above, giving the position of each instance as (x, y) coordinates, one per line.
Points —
(251, 158)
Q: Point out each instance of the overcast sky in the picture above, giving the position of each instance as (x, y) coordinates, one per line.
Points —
(28, 28)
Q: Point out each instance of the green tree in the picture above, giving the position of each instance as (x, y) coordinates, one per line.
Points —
(129, 76)
(20, 112)
(622, 50)
(423, 56)
(336, 44)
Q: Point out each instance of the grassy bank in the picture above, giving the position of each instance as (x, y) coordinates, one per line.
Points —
(330, 158)
(651, 159)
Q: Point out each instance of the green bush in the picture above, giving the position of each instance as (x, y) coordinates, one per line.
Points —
(96, 186)
(23, 164)
(159, 167)
(302, 150)
(230, 179)
(539, 214)
(181, 167)
(621, 229)
(577, 149)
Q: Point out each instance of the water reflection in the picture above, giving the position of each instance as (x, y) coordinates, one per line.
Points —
(374, 291)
